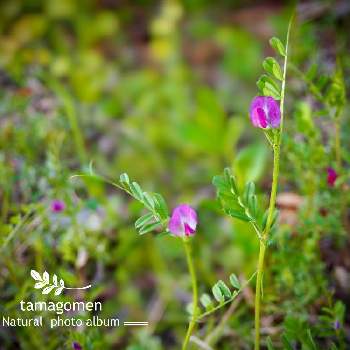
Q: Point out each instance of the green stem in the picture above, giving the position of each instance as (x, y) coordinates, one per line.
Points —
(262, 249)
(276, 168)
(192, 271)
(213, 337)
(258, 293)
(283, 87)
(313, 88)
(276, 159)
(71, 114)
(337, 145)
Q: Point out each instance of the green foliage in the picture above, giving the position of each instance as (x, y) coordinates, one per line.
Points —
(235, 281)
(331, 322)
(153, 202)
(278, 46)
(297, 332)
(336, 94)
(327, 89)
(272, 67)
(242, 205)
(269, 87)
(269, 344)
(206, 301)
(250, 163)
(218, 293)
(167, 99)
(267, 84)
(222, 294)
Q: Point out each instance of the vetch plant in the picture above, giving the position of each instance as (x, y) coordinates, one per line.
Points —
(240, 202)
(267, 113)
(182, 224)
(275, 138)
(160, 119)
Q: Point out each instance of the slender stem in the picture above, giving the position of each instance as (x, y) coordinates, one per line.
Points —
(276, 159)
(262, 249)
(71, 114)
(114, 184)
(337, 145)
(283, 87)
(258, 293)
(213, 337)
(276, 169)
(192, 271)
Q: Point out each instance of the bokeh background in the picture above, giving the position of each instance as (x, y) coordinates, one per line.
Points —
(161, 90)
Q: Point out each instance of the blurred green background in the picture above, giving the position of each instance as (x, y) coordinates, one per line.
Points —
(161, 89)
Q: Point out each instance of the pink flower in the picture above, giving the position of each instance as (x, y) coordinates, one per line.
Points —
(336, 325)
(183, 221)
(332, 176)
(57, 206)
(265, 112)
(77, 346)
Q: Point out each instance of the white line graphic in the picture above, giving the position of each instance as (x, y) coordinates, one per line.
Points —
(140, 323)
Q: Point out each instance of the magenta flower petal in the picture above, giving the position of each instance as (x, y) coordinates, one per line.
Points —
(265, 112)
(76, 346)
(57, 206)
(332, 176)
(183, 221)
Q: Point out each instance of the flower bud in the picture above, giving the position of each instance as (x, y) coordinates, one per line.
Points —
(76, 346)
(265, 112)
(336, 325)
(331, 177)
(57, 206)
(183, 221)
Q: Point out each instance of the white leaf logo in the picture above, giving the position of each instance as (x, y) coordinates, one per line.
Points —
(35, 275)
(43, 282)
